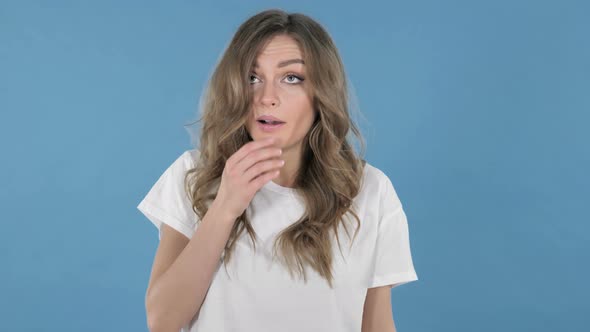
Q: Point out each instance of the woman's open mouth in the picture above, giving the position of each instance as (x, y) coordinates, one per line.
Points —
(269, 126)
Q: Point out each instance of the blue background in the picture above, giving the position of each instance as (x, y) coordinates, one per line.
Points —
(478, 112)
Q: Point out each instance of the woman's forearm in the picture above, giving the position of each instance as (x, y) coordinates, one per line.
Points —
(178, 294)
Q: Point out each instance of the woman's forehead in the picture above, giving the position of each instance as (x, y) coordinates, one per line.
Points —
(284, 63)
(279, 46)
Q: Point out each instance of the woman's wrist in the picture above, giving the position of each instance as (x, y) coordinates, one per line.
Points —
(221, 213)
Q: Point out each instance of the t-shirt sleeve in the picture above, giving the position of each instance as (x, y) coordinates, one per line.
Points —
(168, 202)
(393, 264)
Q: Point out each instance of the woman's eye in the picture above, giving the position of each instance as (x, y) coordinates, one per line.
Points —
(296, 77)
(252, 76)
(292, 79)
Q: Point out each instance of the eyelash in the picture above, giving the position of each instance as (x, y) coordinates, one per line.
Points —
(301, 79)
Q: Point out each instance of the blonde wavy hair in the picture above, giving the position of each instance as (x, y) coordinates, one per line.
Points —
(331, 171)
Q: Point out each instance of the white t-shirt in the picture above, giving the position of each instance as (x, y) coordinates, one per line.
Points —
(259, 294)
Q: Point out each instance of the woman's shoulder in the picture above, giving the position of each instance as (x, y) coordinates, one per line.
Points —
(376, 182)
(189, 158)
(373, 177)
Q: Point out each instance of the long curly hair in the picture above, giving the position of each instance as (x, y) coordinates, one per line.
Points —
(331, 171)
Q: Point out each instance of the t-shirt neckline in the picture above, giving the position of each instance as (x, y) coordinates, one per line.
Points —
(272, 186)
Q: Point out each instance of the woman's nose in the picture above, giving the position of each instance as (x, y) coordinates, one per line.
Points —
(269, 96)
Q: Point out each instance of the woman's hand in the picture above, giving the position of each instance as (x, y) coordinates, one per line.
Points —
(245, 172)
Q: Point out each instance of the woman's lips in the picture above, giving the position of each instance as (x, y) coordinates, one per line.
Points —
(269, 127)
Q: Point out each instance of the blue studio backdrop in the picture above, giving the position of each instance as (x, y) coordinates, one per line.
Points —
(477, 110)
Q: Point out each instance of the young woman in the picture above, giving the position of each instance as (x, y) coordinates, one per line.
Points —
(273, 193)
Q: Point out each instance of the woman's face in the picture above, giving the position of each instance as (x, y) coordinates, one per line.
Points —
(280, 90)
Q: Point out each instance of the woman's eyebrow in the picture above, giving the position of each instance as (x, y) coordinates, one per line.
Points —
(285, 63)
